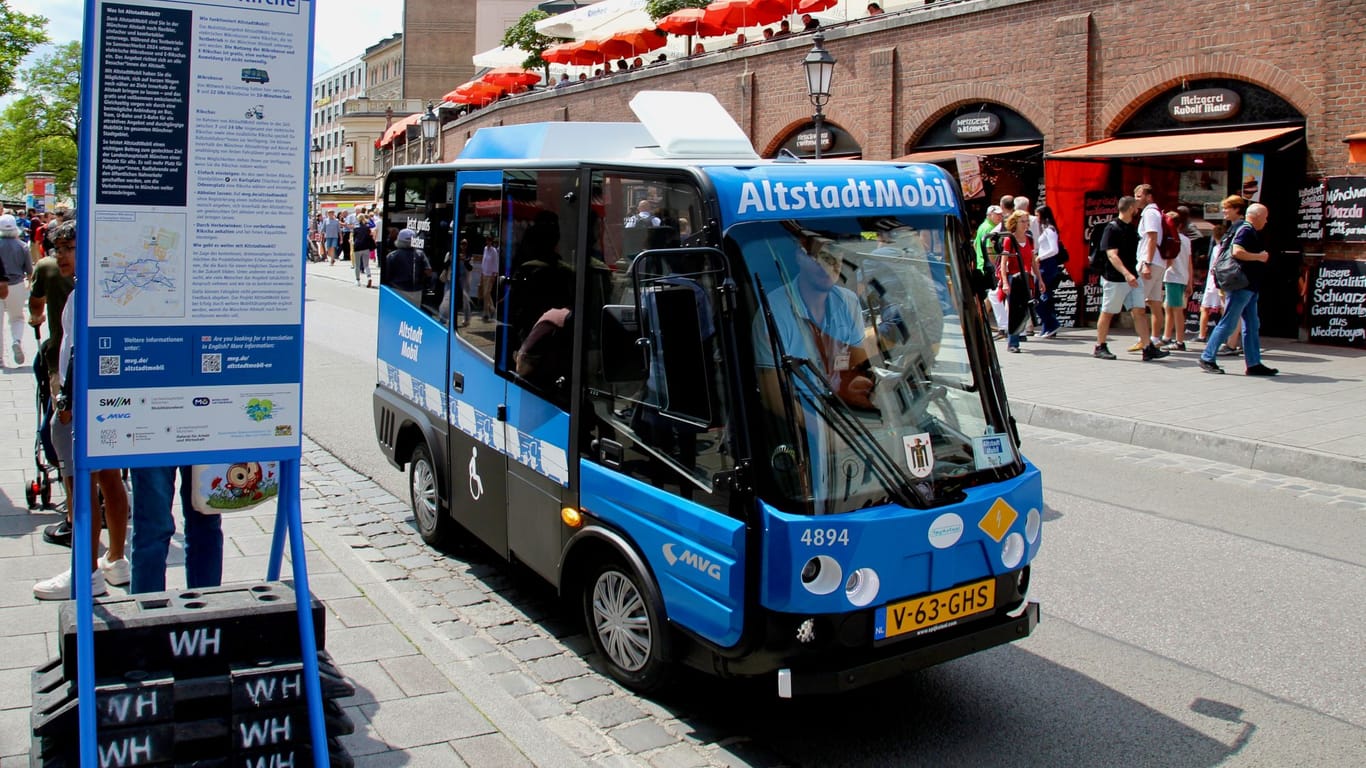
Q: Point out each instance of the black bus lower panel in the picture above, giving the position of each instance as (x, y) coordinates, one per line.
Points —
(807, 682)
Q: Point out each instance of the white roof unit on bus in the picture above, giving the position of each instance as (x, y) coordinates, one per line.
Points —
(673, 125)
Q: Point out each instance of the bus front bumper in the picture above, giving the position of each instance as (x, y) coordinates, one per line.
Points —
(814, 682)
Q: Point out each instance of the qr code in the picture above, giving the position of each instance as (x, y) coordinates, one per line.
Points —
(110, 365)
(109, 436)
(211, 363)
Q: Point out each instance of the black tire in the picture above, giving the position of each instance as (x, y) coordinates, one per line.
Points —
(625, 628)
(31, 496)
(424, 495)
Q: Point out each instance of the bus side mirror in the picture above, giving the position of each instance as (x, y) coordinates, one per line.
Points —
(623, 356)
(679, 365)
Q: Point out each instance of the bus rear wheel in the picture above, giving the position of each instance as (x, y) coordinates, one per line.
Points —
(424, 493)
(625, 628)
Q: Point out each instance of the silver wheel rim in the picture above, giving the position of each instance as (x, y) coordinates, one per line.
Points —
(621, 621)
(424, 495)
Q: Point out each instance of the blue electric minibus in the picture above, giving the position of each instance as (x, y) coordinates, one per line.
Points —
(744, 414)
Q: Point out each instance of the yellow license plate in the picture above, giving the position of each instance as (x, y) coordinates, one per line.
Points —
(933, 610)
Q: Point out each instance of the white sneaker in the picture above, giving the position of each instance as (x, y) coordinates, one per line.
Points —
(117, 572)
(18, 350)
(59, 587)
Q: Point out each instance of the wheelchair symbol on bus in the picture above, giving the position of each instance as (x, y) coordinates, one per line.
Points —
(476, 483)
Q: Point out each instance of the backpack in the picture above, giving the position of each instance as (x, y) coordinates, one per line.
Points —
(1098, 259)
(1170, 247)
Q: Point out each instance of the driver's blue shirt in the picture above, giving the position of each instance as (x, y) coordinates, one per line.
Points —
(843, 323)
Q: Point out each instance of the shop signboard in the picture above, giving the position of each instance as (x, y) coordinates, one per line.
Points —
(807, 139)
(1204, 104)
(1344, 209)
(189, 343)
(975, 126)
(1253, 167)
(1337, 304)
(1309, 219)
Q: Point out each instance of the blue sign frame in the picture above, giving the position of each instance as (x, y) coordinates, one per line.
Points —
(189, 319)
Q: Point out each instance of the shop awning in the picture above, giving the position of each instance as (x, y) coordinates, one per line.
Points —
(940, 155)
(1178, 144)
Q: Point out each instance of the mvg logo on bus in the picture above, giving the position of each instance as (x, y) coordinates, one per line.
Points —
(689, 557)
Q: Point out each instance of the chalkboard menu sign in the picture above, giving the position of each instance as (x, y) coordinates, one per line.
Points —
(1097, 208)
(1344, 209)
(1337, 304)
(1309, 227)
(1065, 298)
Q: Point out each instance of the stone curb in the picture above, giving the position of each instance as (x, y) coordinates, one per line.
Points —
(1241, 452)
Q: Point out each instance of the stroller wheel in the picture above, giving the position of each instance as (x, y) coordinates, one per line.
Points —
(46, 493)
(31, 494)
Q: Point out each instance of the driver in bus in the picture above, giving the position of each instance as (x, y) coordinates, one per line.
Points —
(820, 321)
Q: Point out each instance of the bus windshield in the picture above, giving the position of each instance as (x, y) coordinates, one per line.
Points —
(865, 380)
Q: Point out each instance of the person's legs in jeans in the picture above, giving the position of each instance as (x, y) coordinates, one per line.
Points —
(1233, 312)
(203, 540)
(1051, 274)
(153, 526)
(1252, 332)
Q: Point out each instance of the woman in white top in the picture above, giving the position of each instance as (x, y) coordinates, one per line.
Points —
(1051, 270)
(1213, 300)
(1176, 281)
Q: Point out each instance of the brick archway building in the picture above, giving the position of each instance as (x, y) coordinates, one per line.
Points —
(1078, 70)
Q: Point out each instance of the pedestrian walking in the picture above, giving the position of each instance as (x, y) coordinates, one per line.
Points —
(1243, 242)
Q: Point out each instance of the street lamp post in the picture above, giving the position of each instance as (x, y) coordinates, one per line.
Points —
(820, 68)
(314, 155)
(430, 124)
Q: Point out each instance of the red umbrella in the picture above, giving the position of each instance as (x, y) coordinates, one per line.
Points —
(478, 88)
(511, 77)
(811, 6)
(399, 126)
(632, 42)
(689, 21)
(774, 10)
(581, 52)
(737, 14)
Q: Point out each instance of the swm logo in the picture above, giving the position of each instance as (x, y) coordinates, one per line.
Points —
(115, 402)
(688, 557)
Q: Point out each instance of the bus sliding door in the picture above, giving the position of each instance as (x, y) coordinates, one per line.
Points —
(478, 440)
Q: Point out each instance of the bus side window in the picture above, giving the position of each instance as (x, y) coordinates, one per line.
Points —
(628, 397)
(479, 226)
(535, 315)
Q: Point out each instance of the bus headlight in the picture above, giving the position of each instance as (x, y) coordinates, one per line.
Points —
(862, 586)
(822, 575)
(1012, 551)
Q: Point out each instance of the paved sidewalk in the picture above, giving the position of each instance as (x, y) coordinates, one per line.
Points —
(1307, 422)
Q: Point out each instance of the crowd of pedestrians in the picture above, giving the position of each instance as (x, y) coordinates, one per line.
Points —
(1143, 259)
(346, 235)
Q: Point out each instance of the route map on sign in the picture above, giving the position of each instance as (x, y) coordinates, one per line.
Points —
(139, 267)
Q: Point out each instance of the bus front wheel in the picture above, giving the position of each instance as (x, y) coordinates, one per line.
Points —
(624, 627)
(424, 492)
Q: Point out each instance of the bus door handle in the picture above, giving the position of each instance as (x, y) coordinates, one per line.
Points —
(610, 452)
(458, 382)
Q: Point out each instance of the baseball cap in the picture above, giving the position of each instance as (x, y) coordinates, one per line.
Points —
(995, 209)
(405, 238)
(8, 226)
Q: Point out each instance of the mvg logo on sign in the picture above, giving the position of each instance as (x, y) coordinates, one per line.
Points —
(689, 557)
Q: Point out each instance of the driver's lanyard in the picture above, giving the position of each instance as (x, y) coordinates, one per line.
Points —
(834, 353)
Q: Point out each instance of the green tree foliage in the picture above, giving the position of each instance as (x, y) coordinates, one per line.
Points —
(658, 9)
(40, 126)
(20, 33)
(523, 35)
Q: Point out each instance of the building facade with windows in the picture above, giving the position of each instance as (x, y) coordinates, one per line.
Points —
(335, 158)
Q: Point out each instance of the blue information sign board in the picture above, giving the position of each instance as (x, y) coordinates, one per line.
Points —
(187, 312)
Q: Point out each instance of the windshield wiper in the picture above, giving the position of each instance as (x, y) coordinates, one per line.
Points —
(837, 414)
(775, 345)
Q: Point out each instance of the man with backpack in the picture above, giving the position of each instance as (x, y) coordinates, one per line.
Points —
(1151, 264)
(1119, 283)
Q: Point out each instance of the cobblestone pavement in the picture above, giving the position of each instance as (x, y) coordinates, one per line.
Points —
(504, 628)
